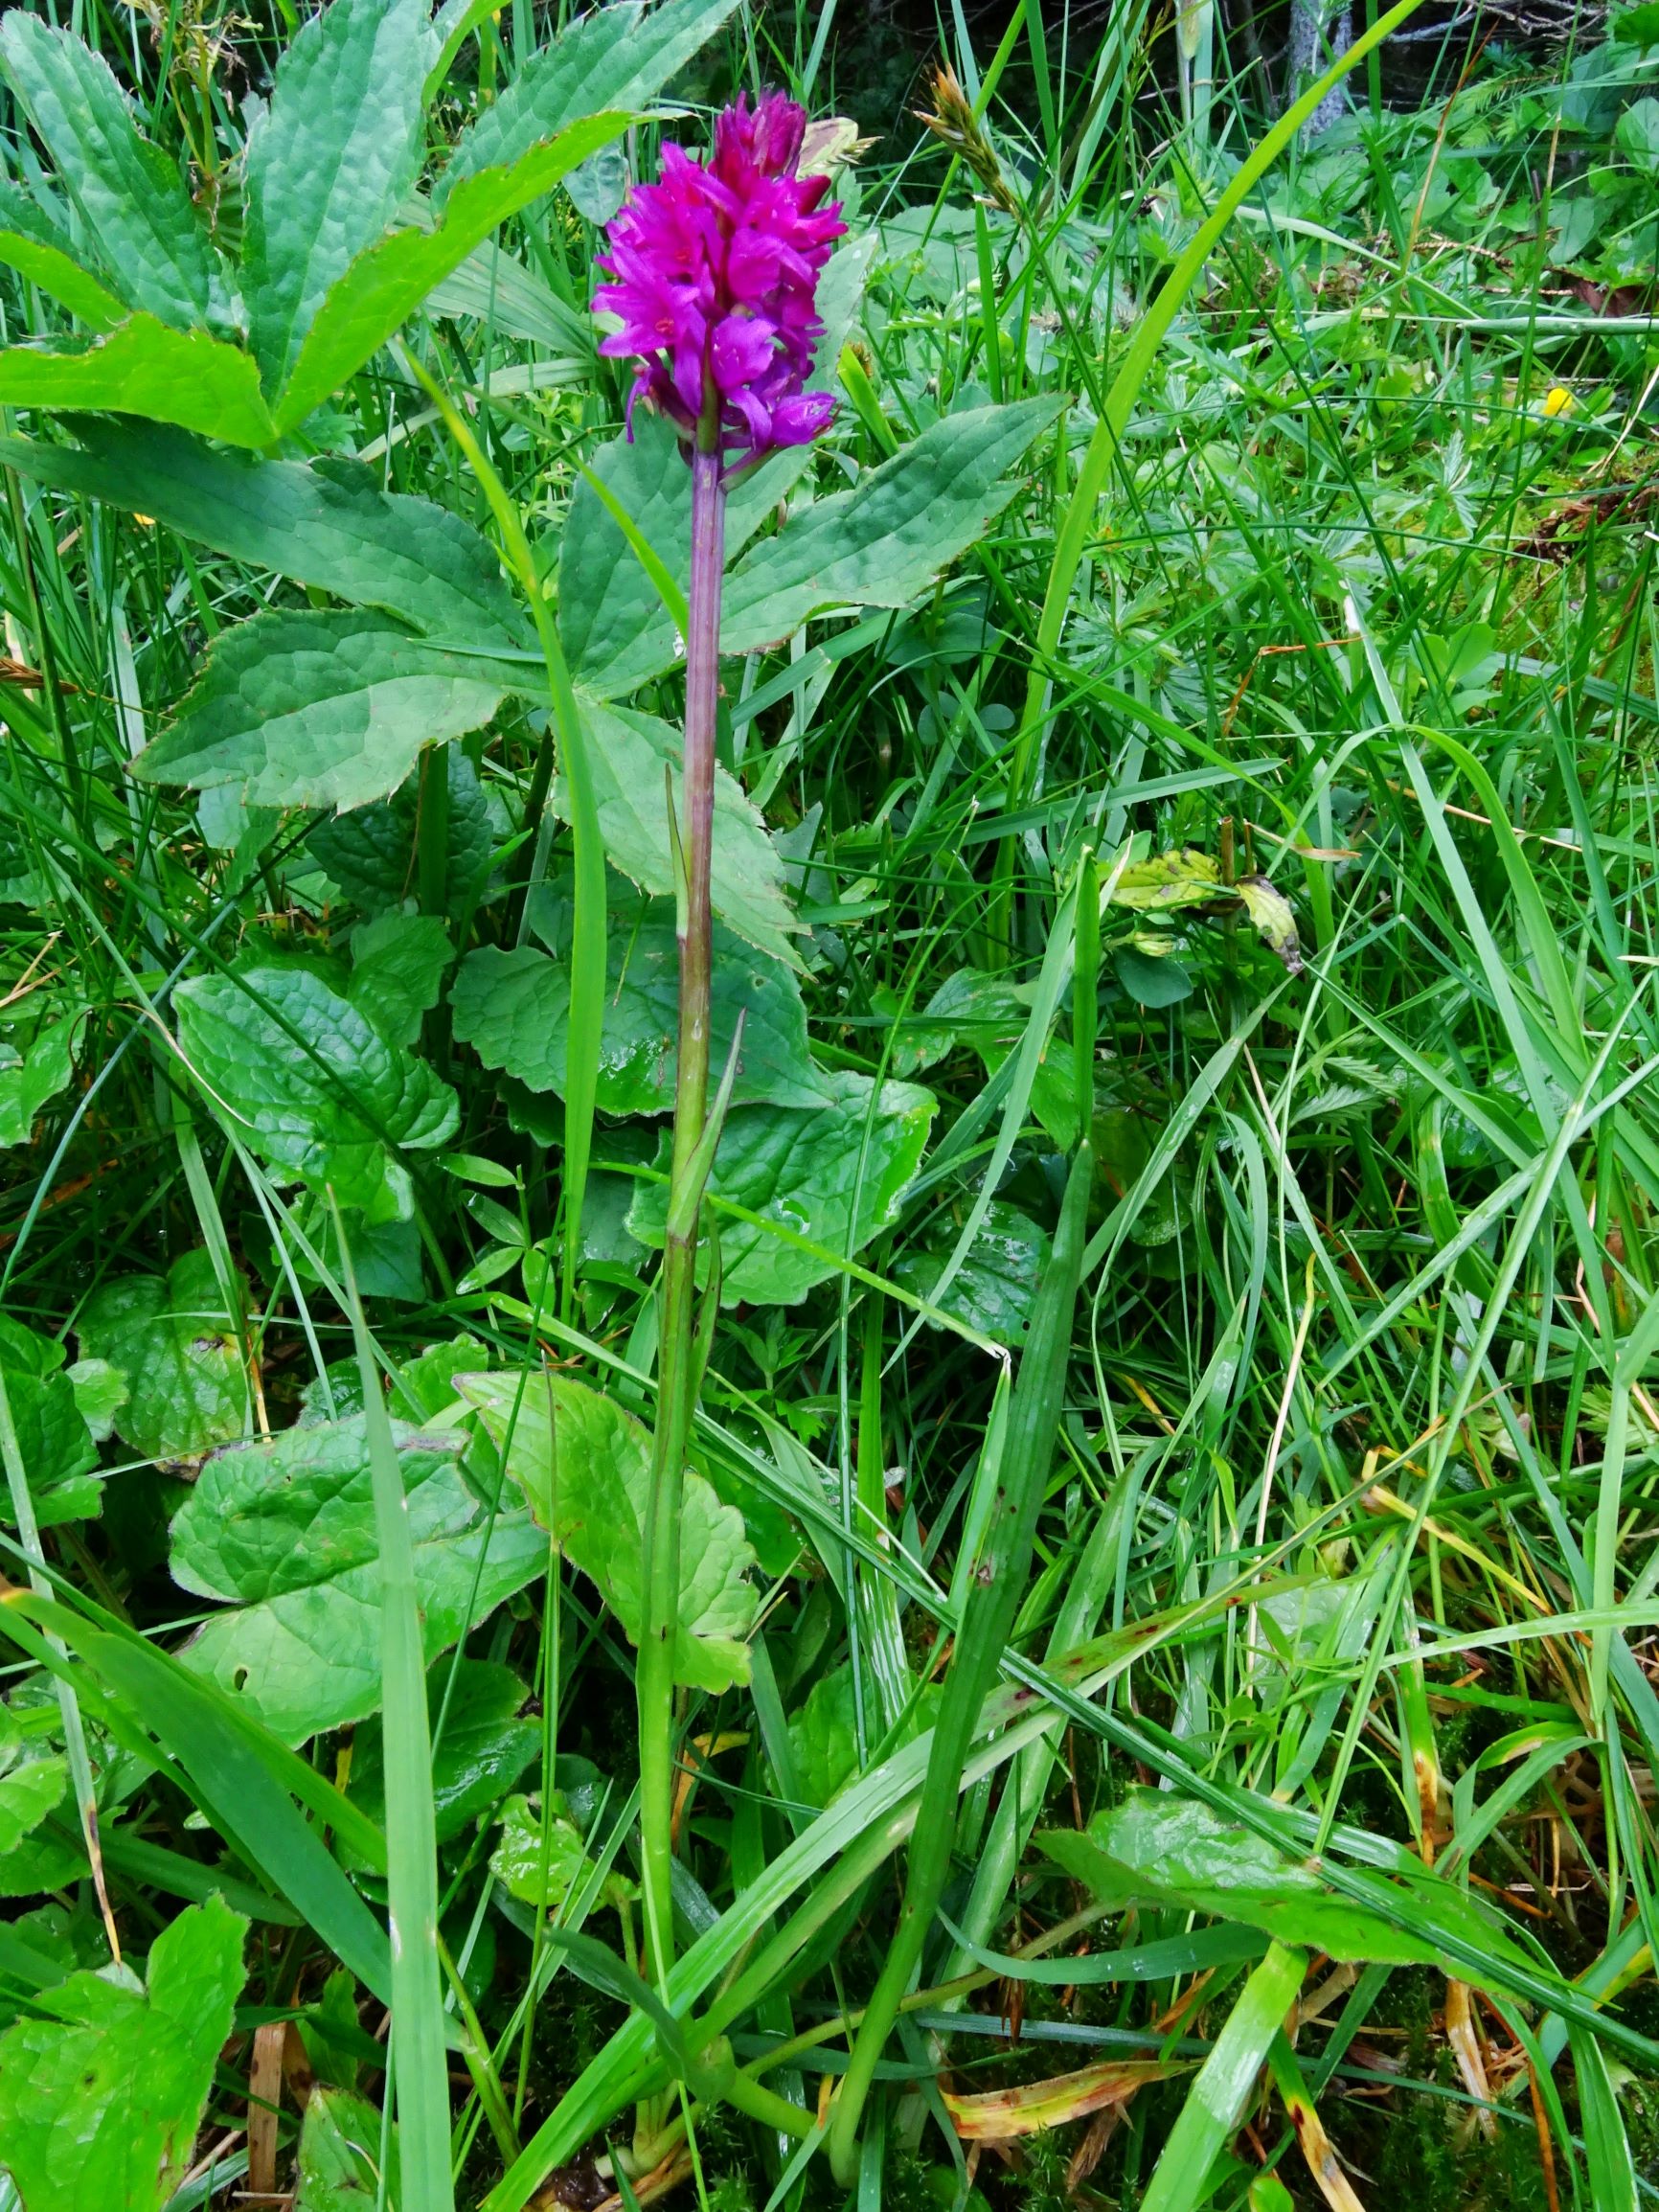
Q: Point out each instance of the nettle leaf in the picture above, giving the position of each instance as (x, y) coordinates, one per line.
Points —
(543, 1871)
(483, 1750)
(630, 754)
(32, 243)
(129, 192)
(384, 286)
(326, 522)
(995, 1287)
(370, 853)
(329, 161)
(315, 1086)
(833, 1177)
(102, 2090)
(584, 1464)
(514, 1008)
(283, 1530)
(618, 58)
(879, 545)
(397, 966)
(144, 367)
(318, 710)
(174, 1346)
(1160, 1846)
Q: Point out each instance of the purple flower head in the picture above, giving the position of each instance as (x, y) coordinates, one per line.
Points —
(713, 271)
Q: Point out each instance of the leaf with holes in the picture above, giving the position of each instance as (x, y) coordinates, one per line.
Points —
(283, 1530)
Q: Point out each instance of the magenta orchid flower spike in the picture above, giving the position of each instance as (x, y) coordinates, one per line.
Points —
(713, 271)
(713, 274)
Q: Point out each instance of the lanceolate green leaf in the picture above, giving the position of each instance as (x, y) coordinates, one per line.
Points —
(32, 244)
(101, 2091)
(318, 710)
(833, 1176)
(617, 57)
(145, 368)
(131, 194)
(514, 1008)
(326, 522)
(583, 1463)
(385, 284)
(330, 162)
(877, 545)
(313, 1085)
(283, 1530)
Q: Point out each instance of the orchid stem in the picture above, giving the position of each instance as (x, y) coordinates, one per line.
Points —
(676, 1366)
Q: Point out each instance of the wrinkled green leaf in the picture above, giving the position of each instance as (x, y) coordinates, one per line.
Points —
(629, 753)
(175, 1347)
(483, 1750)
(283, 1530)
(131, 194)
(313, 1086)
(397, 966)
(28, 1793)
(1155, 1844)
(102, 2095)
(100, 1391)
(57, 1446)
(339, 2165)
(833, 1176)
(370, 853)
(514, 1008)
(823, 1738)
(995, 1287)
(584, 1464)
(143, 367)
(318, 710)
(325, 522)
(328, 163)
(518, 1863)
(29, 1078)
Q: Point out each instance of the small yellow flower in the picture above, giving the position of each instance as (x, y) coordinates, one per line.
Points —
(1558, 400)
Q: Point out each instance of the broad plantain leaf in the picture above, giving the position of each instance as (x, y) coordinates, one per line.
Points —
(313, 1085)
(326, 522)
(514, 1008)
(175, 1346)
(833, 1177)
(101, 2091)
(144, 367)
(630, 754)
(385, 284)
(318, 710)
(329, 162)
(131, 194)
(584, 1464)
(877, 545)
(283, 1530)
(617, 57)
